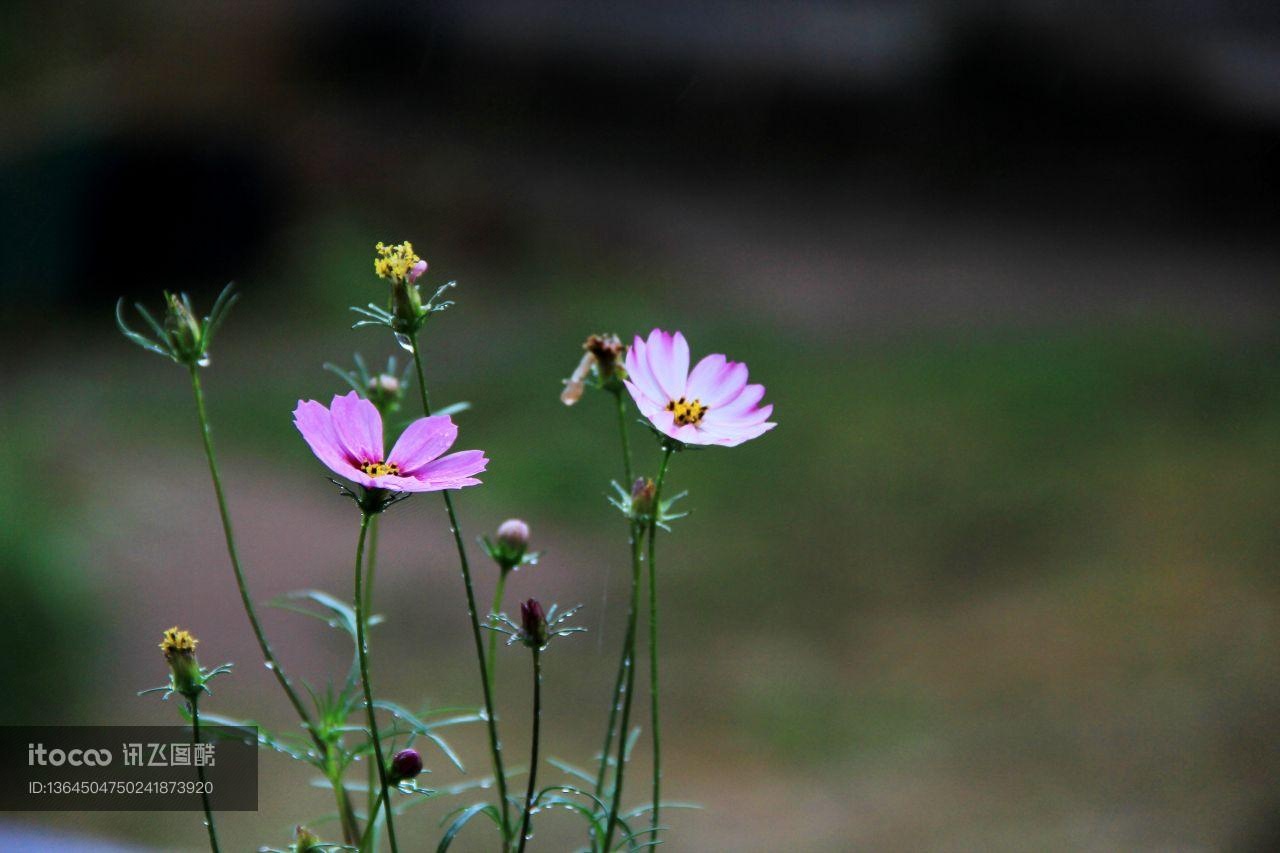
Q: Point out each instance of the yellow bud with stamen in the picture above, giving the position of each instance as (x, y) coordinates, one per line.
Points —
(179, 649)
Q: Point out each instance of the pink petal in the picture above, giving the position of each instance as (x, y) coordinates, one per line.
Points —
(359, 427)
(405, 484)
(455, 466)
(668, 357)
(702, 380)
(645, 404)
(422, 441)
(316, 425)
(725, 385)
(441, 485)
(733, 436)
(741, 404)
(637, 365)
(727, 426)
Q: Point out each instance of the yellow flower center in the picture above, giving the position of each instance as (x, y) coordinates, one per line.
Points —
(687, 411)
(394, 262)
(177, 641)
(380, 469)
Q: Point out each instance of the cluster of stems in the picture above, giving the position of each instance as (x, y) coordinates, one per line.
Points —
(331, 756)
(624, 682)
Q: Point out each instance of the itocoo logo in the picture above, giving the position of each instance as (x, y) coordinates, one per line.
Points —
(38, 755)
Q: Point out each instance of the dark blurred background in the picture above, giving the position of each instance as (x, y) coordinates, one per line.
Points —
(1003, 578)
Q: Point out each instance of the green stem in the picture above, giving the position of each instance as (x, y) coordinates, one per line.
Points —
(625, 660)
(653, 644)
(347, 813)
(371, 565)
(626, 442)
(637, 538)
(363, 654)
(204, 794)
(533, 758)
(493, 635)
(618, 684)
(366, 840)
(495, 743)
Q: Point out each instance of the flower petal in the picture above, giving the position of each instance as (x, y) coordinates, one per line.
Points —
(668, 357)
(703, 377)
(455, 466)
(742, 404)
(316, 425)
(638, 372)
(734, 435)
(645, 404)
(422, 441)
(359, 427)
(409, 484)
(725, 385)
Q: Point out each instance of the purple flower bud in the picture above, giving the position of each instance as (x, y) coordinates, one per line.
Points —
(533, 623)
(405, 764)
(643, 492)
(513, 534)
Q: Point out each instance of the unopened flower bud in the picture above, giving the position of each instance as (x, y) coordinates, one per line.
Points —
(533, 624)
(405, 764)
(416, 271)
(384, 383)
(179, 649)
(514, 534)
(304, 840)
(384, 392)
(182, 328)
(642, 494)
(510, 545)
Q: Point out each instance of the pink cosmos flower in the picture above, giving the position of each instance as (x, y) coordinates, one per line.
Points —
(347, 437)
(712, 404)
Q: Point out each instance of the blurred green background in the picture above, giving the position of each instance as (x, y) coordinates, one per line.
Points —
(1003, 578)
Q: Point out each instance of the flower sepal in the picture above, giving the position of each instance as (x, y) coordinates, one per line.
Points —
(371, 501)
(182, 337)
(638, 504)
(536, 628)
(186, 677)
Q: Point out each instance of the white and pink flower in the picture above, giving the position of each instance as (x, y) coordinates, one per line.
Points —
(711, 404)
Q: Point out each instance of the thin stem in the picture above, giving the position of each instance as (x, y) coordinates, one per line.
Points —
(637, 537)
(493, 635)
(371, 565)
(348, 816)
(626, 442)
(653, 645)
(618, 684)
(363, 654)
(204, 793)
(495, 743)
(625, 660)
(367, 838)
(533, 757)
